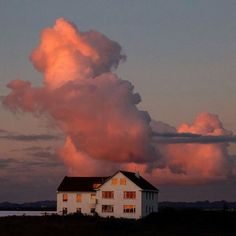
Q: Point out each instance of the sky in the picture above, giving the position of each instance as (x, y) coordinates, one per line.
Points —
(180, 59)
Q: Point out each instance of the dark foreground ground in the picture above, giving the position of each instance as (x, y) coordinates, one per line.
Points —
(164, 223)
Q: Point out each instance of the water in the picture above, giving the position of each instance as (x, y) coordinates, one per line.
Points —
(26, 213)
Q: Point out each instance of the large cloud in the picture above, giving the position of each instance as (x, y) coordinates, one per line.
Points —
(97, 111)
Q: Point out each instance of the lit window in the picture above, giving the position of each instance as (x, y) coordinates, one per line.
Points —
(114, 181)
(64, 210)
(78, 197)
(65, 197)
(129, 208)
(129, 195)
(123, 181)
(93, 196)
(107, 194)
(107, 208)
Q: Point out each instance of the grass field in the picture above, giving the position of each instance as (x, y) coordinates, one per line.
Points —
(164, 223)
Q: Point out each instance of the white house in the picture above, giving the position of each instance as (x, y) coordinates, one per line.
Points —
(124, 194)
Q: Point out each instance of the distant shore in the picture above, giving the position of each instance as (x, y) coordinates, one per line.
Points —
(51, 205)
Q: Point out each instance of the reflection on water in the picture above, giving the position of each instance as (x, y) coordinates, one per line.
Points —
(26, 213)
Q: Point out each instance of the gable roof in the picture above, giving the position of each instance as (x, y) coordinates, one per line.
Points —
(139, 180)
(85, 184)
(136, 179)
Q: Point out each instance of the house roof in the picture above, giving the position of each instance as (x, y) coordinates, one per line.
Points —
(85, 184)
(139, 180)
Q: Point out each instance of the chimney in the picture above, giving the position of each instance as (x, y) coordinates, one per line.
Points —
(137, 174)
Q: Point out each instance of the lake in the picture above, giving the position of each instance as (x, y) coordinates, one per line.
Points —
(26, 213)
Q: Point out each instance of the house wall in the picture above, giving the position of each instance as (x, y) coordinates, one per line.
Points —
(86, 204)
(149, 202)
(118, 201)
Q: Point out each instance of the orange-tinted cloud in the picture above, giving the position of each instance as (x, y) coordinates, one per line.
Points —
(97, 111)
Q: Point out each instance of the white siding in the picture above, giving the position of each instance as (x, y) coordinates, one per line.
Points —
(119, 200)
(145, 201)
(86, 204)
(149, 202)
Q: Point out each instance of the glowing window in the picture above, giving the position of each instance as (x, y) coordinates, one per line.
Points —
(78, 197)
(107, 194)
(65, 197)
(129, 195)
(123, 181)
(107, 208)
(114, 181)
(93, 196)
(129, 208)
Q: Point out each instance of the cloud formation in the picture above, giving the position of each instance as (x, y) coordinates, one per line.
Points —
(98, 113)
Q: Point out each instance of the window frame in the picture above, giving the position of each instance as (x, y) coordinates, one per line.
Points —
(123, 181)
(107, 194)
(114, 181)
(78, 199)
(129, 195)
(65, 197)
(107, 208)
(129, 209)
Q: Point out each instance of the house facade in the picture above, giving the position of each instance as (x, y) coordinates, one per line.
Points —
(124, 194)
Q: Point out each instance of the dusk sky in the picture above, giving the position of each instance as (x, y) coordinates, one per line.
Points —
(180, 58)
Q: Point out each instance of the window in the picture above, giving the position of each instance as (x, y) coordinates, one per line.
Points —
(78, 210)
(129, 208)
(146, 209)
(129, 195)
(114, 181)
(93, 196)
(123, 181)
(107, 194)
(65, 197)
(92, 210)
(78, 197)
(107, 208)
(64, 210)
